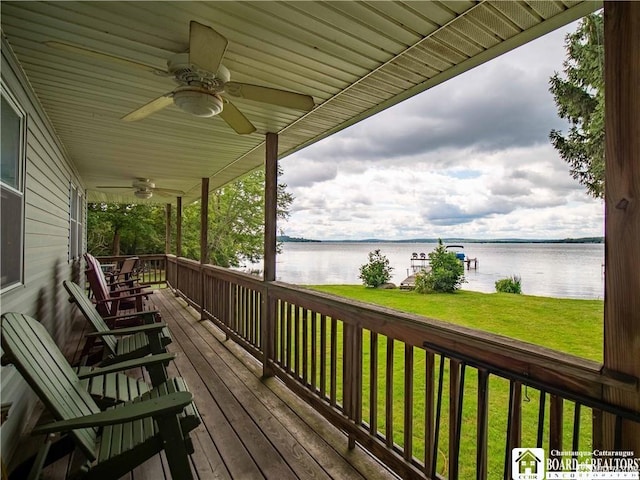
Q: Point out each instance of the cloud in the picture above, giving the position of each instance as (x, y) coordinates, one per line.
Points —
(306, 172)
(468, 158)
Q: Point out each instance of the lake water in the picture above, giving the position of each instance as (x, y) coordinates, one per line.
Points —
(552, 270)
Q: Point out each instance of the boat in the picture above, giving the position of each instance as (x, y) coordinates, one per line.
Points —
(460, 255)
(458, 250)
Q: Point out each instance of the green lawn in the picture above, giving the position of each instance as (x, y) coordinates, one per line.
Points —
(571, 326)
(567, 325)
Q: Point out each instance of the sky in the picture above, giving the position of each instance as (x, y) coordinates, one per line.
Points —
(469, 158)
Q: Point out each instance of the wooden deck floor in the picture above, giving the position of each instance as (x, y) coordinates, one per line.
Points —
(252, 428)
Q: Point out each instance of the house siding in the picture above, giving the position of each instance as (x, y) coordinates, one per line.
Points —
(47, 176)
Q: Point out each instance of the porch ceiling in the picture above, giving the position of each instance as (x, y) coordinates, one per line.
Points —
(354, 58)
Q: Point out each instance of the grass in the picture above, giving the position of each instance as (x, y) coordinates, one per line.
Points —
(571, 326)
(567, 325)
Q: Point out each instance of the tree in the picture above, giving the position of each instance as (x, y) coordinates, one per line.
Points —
(579, 96)
(445, 275)
(236, 222)
(125, 229)
(377, 271)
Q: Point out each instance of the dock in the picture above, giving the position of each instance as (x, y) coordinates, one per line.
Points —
(420, 262)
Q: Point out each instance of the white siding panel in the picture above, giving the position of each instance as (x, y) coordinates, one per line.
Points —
(48, 173)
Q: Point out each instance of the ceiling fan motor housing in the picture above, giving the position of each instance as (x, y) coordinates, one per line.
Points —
(143, 193)
(198, 102)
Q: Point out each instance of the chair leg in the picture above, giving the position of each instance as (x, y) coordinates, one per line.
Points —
(174, 447)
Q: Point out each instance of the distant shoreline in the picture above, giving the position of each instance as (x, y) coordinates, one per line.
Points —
(287, 239)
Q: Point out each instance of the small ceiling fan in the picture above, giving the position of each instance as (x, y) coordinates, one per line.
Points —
(144, 189)
(203, 82)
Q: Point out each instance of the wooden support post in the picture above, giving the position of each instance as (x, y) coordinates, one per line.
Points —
(204, 239)
(270, 207)
(167, 231)
(179, 227)
(269, 310)
(622, 211)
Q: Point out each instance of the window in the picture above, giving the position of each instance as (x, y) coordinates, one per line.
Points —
(11, 191)
(75, 222)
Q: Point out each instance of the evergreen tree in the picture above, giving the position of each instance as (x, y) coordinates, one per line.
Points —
(579, 96)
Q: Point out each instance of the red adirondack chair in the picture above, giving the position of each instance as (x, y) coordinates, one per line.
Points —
(111, 302)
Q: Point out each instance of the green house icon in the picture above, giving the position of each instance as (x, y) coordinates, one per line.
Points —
(528, 463)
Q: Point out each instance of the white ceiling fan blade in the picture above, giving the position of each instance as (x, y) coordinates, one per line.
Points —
(113, 186)
(149, 108)
(235, 119)
(273, 96)
(206, 47)
(105, 56)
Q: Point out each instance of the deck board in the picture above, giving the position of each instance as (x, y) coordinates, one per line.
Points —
(252, 428)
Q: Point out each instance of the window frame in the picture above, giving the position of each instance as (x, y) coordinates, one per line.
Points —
(11, 100)
(76, 223)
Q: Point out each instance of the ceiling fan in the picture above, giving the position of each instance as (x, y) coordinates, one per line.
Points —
(145, 188)
(203, 82)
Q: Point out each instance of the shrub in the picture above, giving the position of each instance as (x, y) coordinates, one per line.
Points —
(446, 273)
(509, 285)
(377, 271)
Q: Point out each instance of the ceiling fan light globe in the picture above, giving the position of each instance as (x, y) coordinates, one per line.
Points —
(143, 194)
(196, 103)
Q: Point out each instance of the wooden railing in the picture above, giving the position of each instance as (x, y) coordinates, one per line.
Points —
(151, 270)
(428, 398)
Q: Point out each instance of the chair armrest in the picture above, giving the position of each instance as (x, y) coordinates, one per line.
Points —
(124, 297)
(131, 315)
(147, 327)
(156, 407)
(129, 364)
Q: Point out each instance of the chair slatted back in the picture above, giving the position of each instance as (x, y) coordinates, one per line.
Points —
(41, 363)
(98, 285)
(91, 314)
(127, 268)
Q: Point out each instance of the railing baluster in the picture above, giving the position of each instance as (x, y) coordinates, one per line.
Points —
(283, 330)
(482, 425)
(456, 371)
(356, 379)
(314, 351)
(436, 433)
(514, 422)
(323, 356)
(296, 340)
(541, 412)
(429, 411)
(305, 346)
(408, 402)
(347, 374)
(373, 383)
(334, 360)
(389, 395)
(556, 423)
(290, 338)
(576, 429)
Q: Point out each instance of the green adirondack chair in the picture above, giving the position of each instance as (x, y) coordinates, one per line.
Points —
(122, 343)
(113, 441)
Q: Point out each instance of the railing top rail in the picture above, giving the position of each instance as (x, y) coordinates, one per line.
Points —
(244, 279)
(143, 256)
